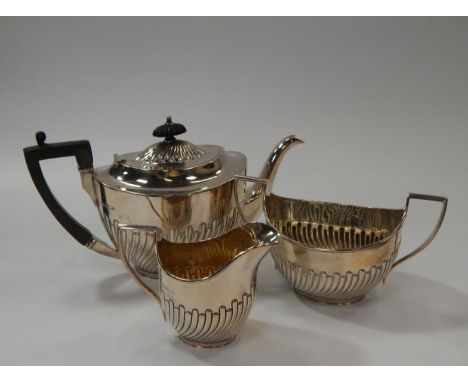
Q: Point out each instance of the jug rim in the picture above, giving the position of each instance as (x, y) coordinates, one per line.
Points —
(257, 245)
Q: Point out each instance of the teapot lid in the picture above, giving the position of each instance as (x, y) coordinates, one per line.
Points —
(172, 165)
(169, 152)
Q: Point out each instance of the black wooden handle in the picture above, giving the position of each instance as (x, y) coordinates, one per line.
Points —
(81, 150)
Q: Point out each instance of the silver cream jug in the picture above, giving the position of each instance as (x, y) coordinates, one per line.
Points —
(206, 289)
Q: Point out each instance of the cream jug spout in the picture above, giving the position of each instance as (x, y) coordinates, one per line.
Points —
(242, 268)
(252, 204)
(222, 263)
(266, 236)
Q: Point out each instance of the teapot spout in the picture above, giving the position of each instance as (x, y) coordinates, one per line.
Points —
(252, 204)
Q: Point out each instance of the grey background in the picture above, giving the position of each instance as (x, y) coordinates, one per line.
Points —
(382, 104)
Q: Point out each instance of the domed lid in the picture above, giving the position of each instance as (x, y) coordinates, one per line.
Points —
(171, 151)
(172, 166)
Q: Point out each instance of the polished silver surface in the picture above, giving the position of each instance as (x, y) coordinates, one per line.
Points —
(206, 289)
(172, 166)
(190, 214)
(161, 153)
(169, 152)
(173, 179)
(253, 200)
(397, 85)
(334, 253)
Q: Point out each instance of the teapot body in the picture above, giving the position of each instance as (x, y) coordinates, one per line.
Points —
(192, 217)
(189, 193)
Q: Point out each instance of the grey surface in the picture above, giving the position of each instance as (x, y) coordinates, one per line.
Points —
(382, 104)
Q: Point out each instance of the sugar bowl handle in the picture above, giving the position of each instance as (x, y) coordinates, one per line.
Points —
(425, 243)
(81, 150)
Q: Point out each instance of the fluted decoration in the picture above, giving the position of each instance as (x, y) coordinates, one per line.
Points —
(140, 249)
(331, 236)
(177, 151)
(145, 260)
(331, 225)
(182, 233)
(339, 287)
(209, 327)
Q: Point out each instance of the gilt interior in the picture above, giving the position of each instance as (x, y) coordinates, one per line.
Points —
(331, 225)
(196, 261)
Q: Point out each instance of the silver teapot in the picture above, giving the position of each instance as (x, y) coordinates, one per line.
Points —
(186, 191)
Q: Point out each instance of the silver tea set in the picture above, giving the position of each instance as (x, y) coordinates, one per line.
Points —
(183, 214)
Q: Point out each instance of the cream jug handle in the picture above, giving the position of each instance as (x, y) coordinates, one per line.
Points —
(425, 243)
(246, 178)
(125, 241)
(81, 150)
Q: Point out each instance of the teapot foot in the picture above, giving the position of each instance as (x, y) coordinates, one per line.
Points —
(208, 345)
(329, 301)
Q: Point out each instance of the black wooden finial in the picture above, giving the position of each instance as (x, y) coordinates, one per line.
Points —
(40, 138)
(169, 130)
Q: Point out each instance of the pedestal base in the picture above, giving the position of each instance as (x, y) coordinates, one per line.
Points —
(329, 301)
(207, 345)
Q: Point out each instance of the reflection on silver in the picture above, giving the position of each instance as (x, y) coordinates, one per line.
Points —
(187, 203)
(334, 253)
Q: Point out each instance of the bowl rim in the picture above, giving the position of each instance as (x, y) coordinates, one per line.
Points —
(329, 250)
